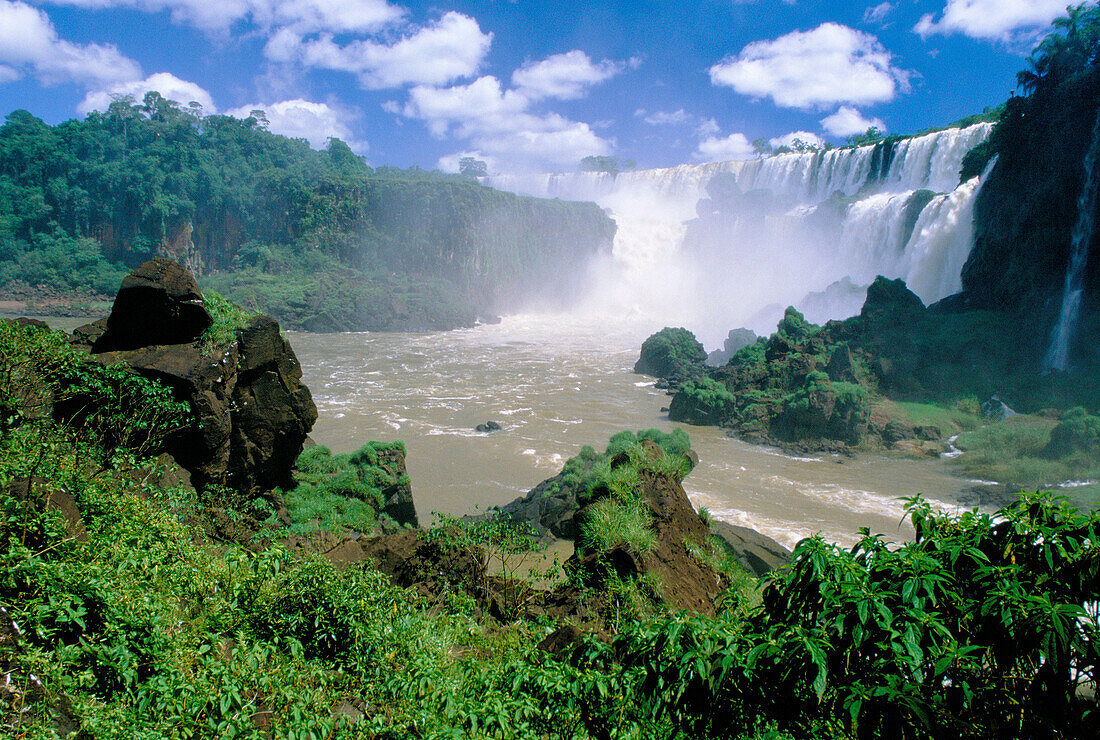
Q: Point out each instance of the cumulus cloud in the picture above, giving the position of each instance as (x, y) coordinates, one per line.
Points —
(735, 147)
(848, 121)
(449, 49)
(168, 85)
(500, 124)
(806, 69)
(806, 137)
(563, 76)
(29, 43)
(340, 16)
(1001, 20)
(303, 119)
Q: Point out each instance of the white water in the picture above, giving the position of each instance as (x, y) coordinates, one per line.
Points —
(1057, 358)
(780, 237)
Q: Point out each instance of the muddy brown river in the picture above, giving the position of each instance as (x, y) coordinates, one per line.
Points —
(555, 383)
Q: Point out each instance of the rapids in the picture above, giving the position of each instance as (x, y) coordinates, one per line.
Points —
(556, 383)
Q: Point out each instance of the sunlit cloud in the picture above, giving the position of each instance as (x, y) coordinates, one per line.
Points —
(999, 20)
(451, 48)
(303, 119)
(563, 76)
(806, 69)
(29, 43)
(500, 123)
(848, 121)
(735, 147)
(168, 85)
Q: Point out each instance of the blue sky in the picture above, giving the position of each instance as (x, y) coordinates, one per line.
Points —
(529, 84)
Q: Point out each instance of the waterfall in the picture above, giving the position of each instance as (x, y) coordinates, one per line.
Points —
(1057, 359)
(726, 244)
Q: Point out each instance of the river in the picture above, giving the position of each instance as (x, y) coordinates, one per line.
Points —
(556, 383)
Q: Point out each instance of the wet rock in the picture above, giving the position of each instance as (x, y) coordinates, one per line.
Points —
(841, 367)
(736, 339)
(489, 426)
(671, 354)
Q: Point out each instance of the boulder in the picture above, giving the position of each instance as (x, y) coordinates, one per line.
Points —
(841, 367)
(158, 303)
(757, 553)
(252, 411)
(489, 426)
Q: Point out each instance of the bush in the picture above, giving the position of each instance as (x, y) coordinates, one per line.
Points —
(671, 353)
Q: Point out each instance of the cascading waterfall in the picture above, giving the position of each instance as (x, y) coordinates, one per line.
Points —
(720, 245)
(1057, 358)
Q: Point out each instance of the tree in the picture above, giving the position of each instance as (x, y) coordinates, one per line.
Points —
(472, 167)
(872, 135)
(761, 148)
(610, 165)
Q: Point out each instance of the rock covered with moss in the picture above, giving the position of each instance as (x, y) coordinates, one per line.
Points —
(671, 354)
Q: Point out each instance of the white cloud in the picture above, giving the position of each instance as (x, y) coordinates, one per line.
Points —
(665, 118)
(168, 85)
(848, 121)
(449, 49)
(302, 119)
(28, 39)
(735, 147)
(9, 74)
(877, 13)
(707, 128)
(806, 69)
(999, 20)
(500, 125)
(563, 76)
(806, 137)
(340, 16)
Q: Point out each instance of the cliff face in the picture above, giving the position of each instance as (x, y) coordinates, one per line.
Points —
(319, 239)
(1027, 208)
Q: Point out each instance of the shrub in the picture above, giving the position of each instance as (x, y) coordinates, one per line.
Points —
(611, 521)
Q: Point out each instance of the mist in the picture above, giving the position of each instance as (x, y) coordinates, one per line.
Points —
(717, 246)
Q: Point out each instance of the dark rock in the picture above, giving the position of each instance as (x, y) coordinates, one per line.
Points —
(841, 367)
(88, 334)
(36, 323)
(489, 426)
(889, 301)
(158, 303)
(994, 409)
(562, 640)
(398, 496)
(252, 411)
(757, 553)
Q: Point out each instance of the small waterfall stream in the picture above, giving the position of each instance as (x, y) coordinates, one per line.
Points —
(1057, 359)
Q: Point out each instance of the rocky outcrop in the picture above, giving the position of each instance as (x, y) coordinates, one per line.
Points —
(735, 340)
(681, 580)
(253, 412)
(671, 354)
(158, 303)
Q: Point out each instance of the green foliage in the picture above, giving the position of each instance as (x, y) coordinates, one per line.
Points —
(671, 353)
(228, 319)
(42, 378)
(610, 165)
(976, 629)
(1077, 433)
(871, 136)
(342, 491)
(80, 200)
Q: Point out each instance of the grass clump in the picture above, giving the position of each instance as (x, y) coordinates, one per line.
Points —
(345, 491)
(228, 319)
(614, 521)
